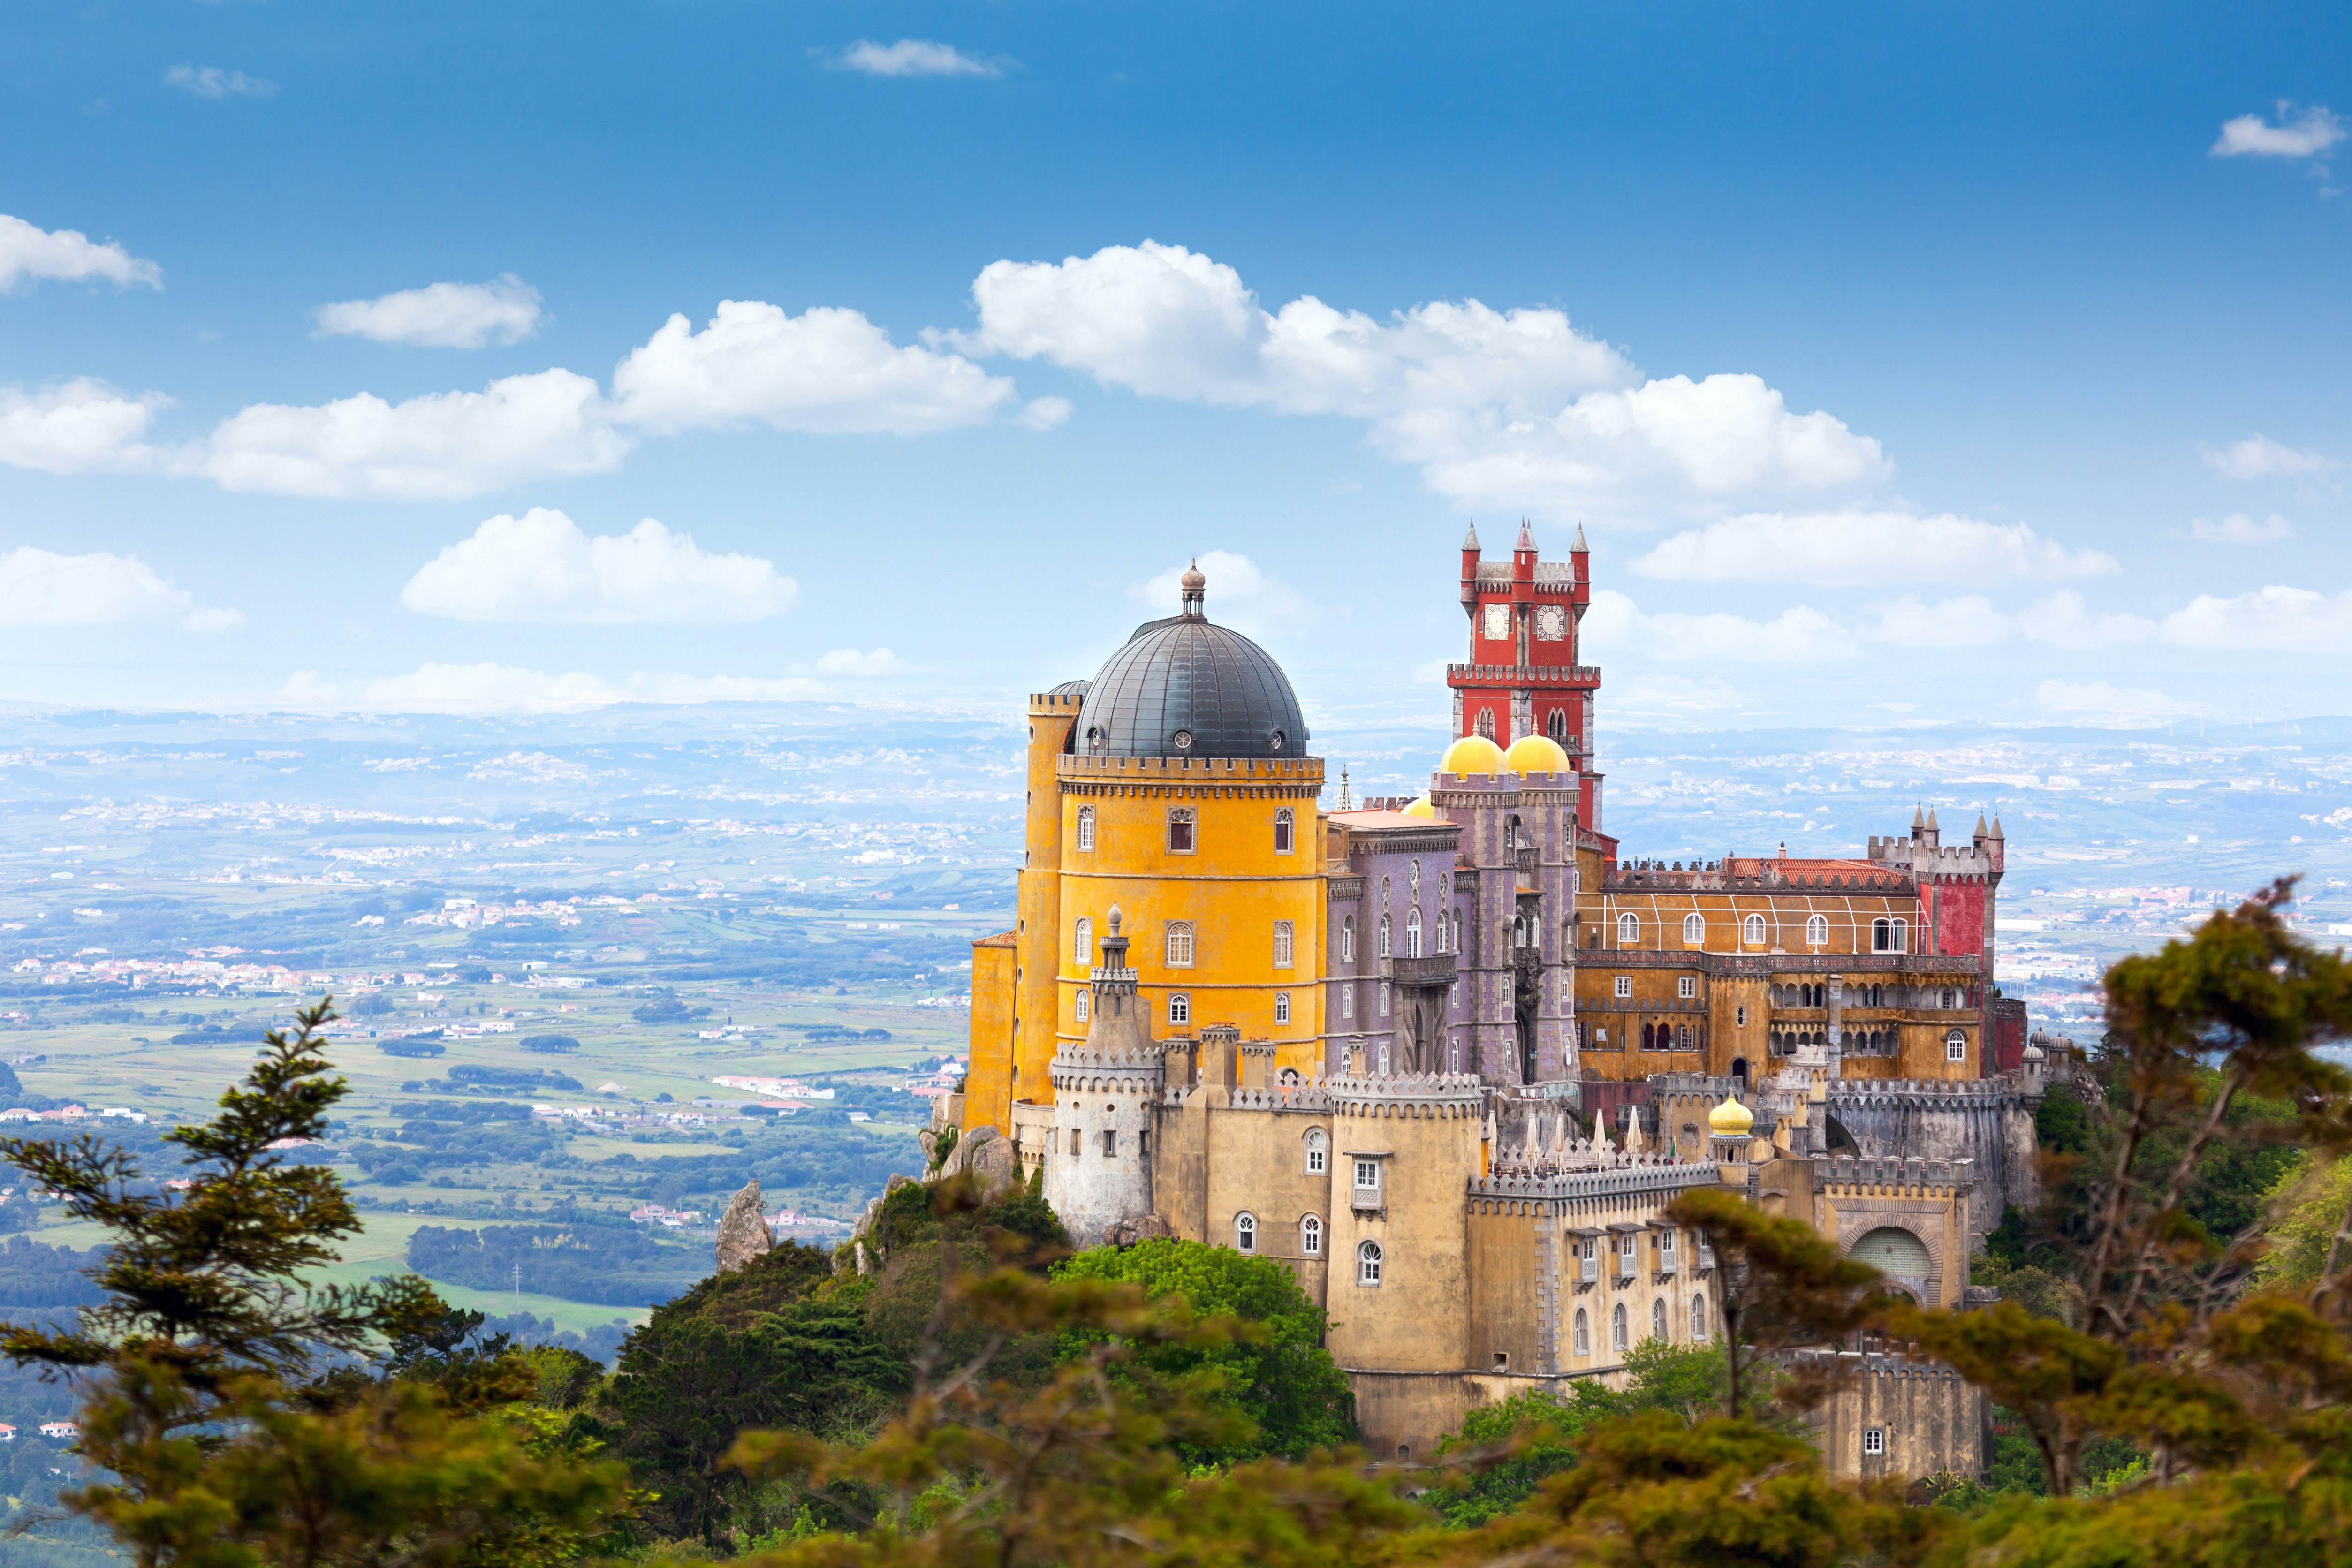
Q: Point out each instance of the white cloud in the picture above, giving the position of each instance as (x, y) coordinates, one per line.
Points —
(2260, 458)
(1509, 408)
(1614, 627)
(439, 315)
(826, 369)
(2273, 619)
(28, 251)
(1858, 549)
(850, 662)
(2104, 703)
(2294, 136)
(509, 688)
(213, 82)
(1046, 412)
(914, 58)
(42, 588)
(2063, 620)
(2238, 528)
(1239, 593)
(441, 446)
(307, 688)
(1969, 621)
(79, 426)
(541, 566)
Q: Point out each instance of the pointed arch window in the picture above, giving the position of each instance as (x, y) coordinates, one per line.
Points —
(1086, 827)
(1617, 1329)
(1583, 1334)
(1699, 1320)
(1658, 1320)
(1557, 725)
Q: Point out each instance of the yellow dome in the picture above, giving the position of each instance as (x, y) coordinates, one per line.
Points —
(1730, 1119)
(1473, 754)
(1421, 808)
(1535, 754)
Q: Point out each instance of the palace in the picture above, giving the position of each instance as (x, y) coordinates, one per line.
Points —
(1450, 1056)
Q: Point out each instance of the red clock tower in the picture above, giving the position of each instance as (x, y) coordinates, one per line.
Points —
(1523, 677)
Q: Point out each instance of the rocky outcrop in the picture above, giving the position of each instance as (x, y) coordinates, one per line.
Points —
(986, 1156)
(743, 1229)
(1142, 1228)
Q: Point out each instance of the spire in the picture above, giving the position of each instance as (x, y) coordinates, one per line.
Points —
(1470, 539)
(1918, 817)
(1347, 801)
(1577, 546)
(1931, 821)
(1980, 825)
(1195, 589)
(1527, 536)
(1996, 826)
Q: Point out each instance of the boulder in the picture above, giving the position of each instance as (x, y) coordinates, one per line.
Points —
(1142, 1228)
(743, 1229)
(986, 1156)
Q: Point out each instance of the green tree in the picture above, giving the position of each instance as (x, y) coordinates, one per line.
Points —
(221, 1443)
(1275, 1372)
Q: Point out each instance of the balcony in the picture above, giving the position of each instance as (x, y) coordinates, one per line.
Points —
(1433, 970)
(1588, 1270)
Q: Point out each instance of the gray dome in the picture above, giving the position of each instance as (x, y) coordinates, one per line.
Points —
(1070, 689)
(1188, 687)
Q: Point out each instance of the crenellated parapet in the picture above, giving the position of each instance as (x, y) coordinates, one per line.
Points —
(1837, 1173)
(1408, 1094)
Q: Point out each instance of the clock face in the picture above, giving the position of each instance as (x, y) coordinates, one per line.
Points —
(1498, 622)
(1551, 622)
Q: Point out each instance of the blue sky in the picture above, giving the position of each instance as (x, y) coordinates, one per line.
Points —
(1975, 361)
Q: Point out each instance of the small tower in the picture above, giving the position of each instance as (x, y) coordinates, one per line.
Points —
(1105, 1106)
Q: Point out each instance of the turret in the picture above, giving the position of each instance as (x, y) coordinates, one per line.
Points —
(1105, 1102)
(1470, 571)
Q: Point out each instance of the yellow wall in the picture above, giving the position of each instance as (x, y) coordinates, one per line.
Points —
(987, 1083)
(1233, 887)
(1051, 717)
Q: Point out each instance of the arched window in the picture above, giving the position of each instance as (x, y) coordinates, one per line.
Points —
(1282, 1008)
(1086, 1004)
(1319, 1151)
(1698, 1319)
(1283, 822)
(1245, 1232)
(1180, 1008)
(1443, 933)
(1583, 1334)
(1956, 1046)
(1082, 942)
(1282, 944)
(1695, 928)
(1412, 933)
(1629, 930)
(1658, 1320)
(1180, 943)
(1180, 829)
(1753, 929)
(1368, 1263)
(1310, 1237)
(1348, 940)
(1817, 930)
(1384, 936)
(1617, 1329)
(1086, 827)
(1557, 724)
(1487, 723)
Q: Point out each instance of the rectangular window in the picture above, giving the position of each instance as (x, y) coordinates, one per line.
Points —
(1282, 1007)
(1179, 1010)
(1686, 987)
(1078, 1142)
(1368, 1176)
(1180, 830)
(1874, 1441)
(1180, 943)
(1625, 985)
(1282, 944)
(1384, 998)
(1110, 1143)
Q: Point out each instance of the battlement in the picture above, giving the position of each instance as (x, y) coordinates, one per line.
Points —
(1645, 1173)
(1924, 1091)
(1191, 770)
(1370, 1094)
(1848, 1170)
(1870, 1364)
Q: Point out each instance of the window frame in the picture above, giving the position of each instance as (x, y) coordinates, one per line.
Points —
(1348, 939)
(1695, 928)
(1282, 1007)
(1582, 1341)
(1754, 930)
(1286, 944)
(1686, 986)
(1371, 1265)
(1180, 1008)
(1178, 932)
(1185, 818)
(1629, 930)
(1085, 829)
(1245, 1233)
(1620, 1330)
(1386, 931)
(1955, 1046)
(1817, 930)
(1659, 1328)
(1318, 1145)
(1310, 1236)
(1365, 1163)
(1623, 987)
(1412, 933)
(1082, 941)
(1082, 1009)
(1698, 1317)
(1874, 1442)
(1285, 830)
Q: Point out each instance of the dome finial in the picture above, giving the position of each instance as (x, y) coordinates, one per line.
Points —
(1194, 587)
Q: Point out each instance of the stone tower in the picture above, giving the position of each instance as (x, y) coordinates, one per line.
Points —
(1105, 1105)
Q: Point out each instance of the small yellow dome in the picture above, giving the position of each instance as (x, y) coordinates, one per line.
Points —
(1421, 808)
(1730, 1119)
(1535, 754)
(1473, 754)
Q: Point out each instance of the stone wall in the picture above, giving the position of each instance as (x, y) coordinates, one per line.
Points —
(1989, 1123)
(1928, 1419)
